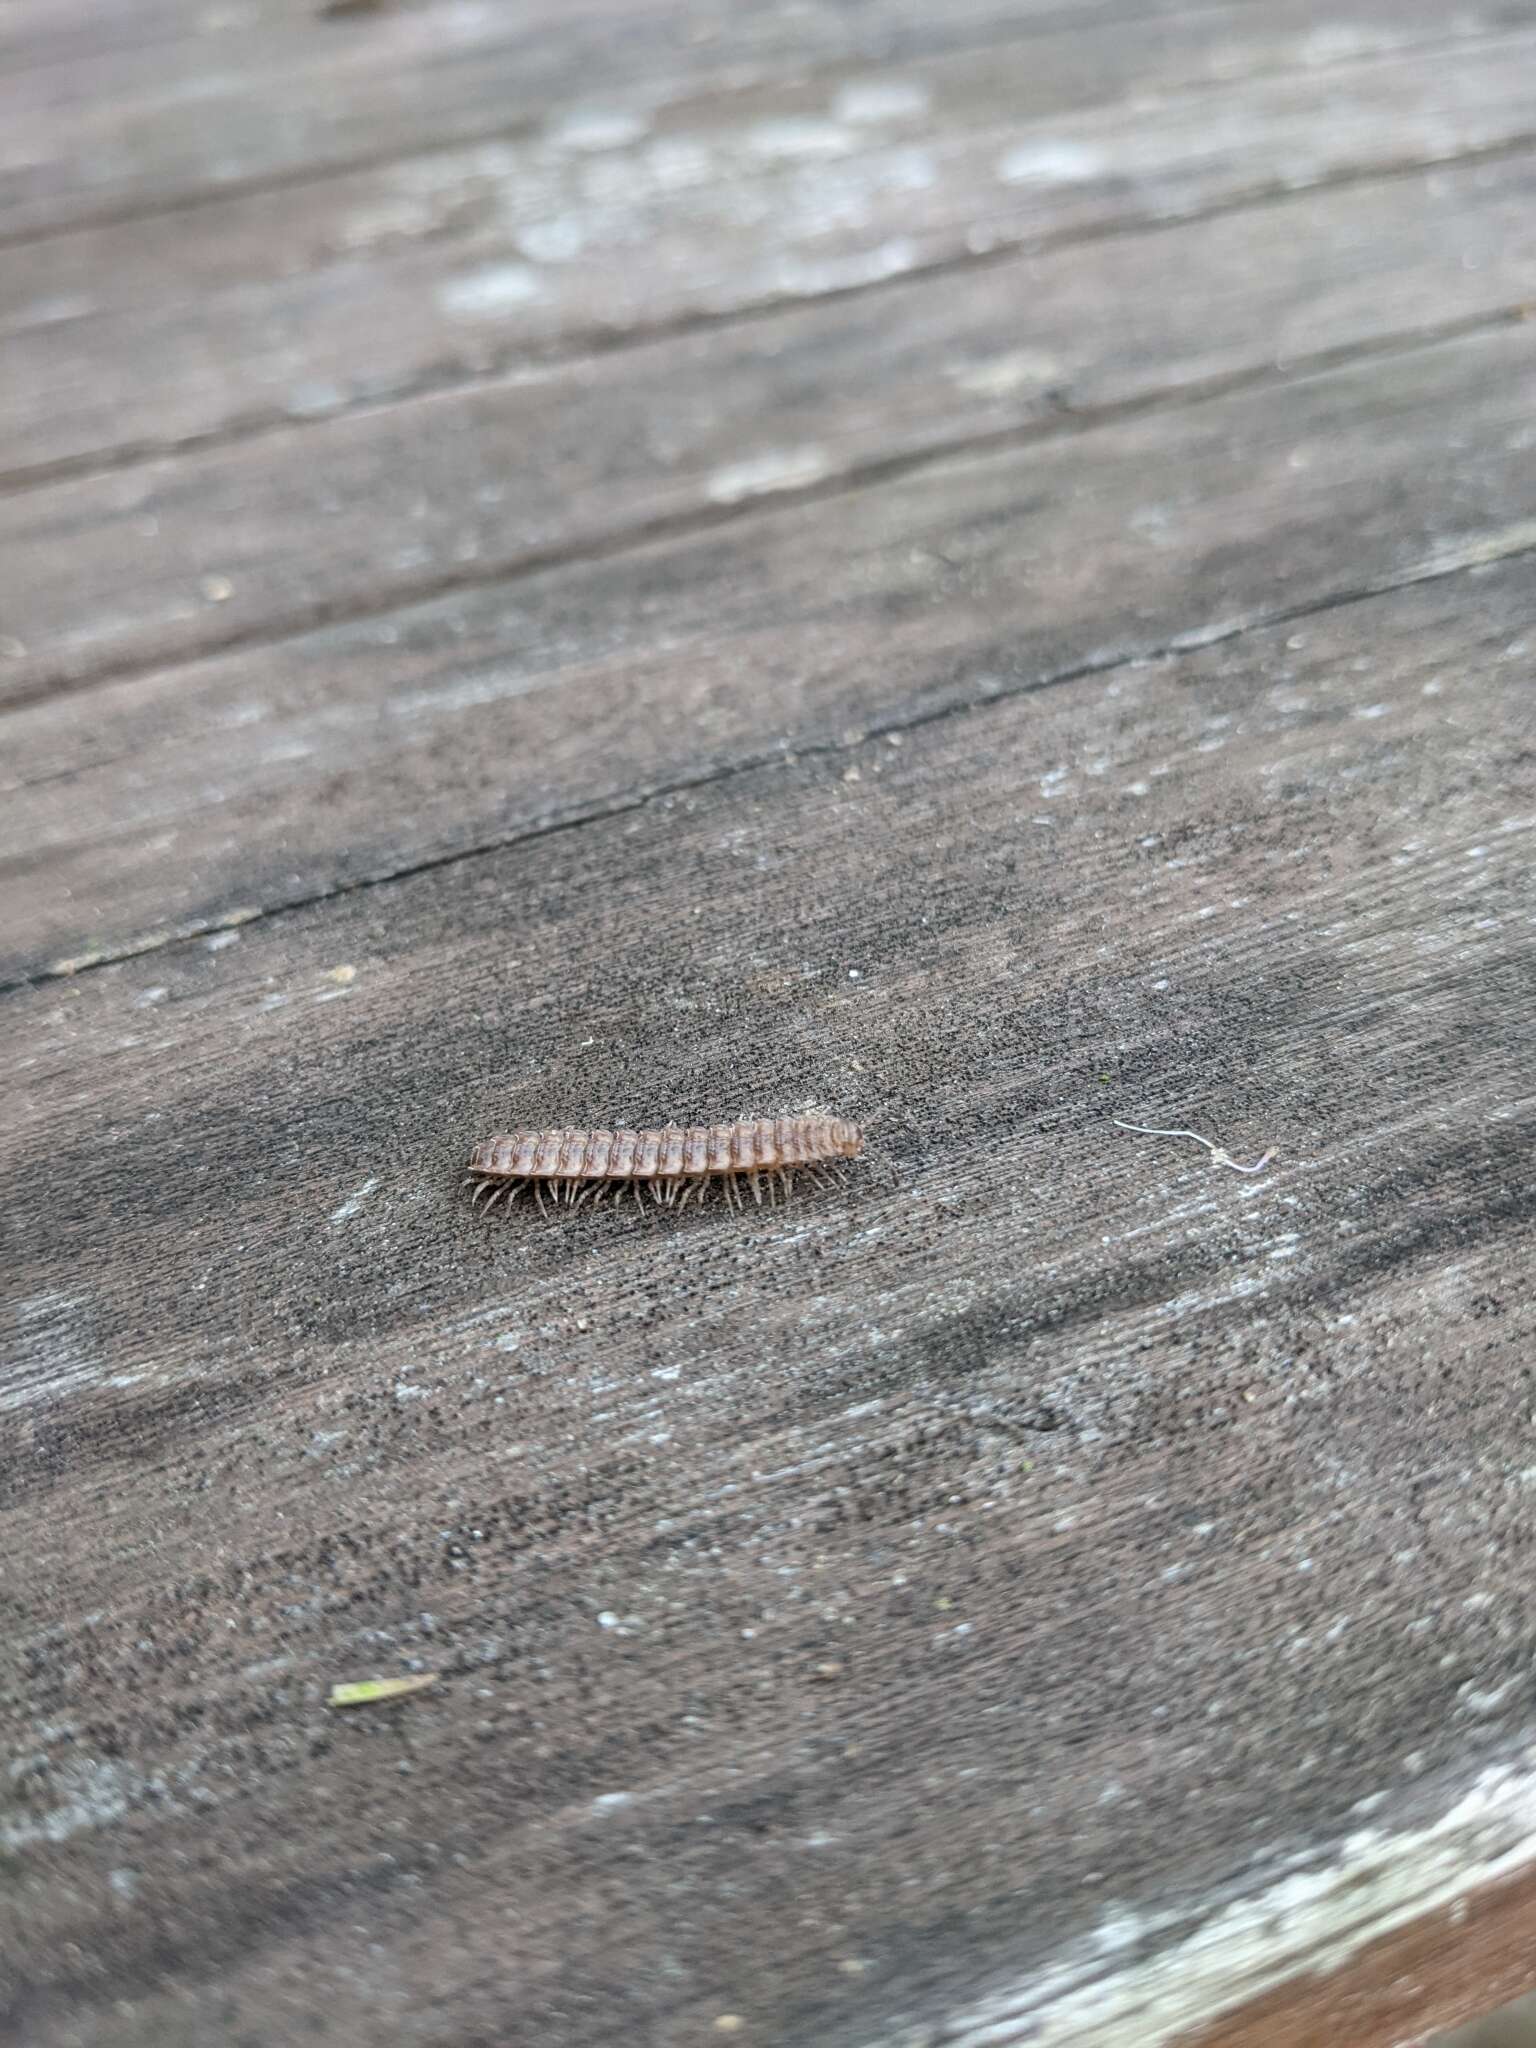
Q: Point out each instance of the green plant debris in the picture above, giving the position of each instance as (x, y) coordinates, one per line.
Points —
(368, 1691)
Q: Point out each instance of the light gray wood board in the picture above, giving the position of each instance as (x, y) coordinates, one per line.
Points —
(245, 96)
(279, 773)
(1148, 1517)
(292, 303)
(355, 513)
(600, 42)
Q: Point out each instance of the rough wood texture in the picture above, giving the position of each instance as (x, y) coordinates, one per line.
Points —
(288, 303)
(1083, 1471)
(241, 98)
(182, 556)
(196, 797)
(1054, 1592)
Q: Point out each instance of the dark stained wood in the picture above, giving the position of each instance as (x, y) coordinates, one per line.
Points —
(288, 771)
(1437, 1972)
(1055, 1592)
(844, 1615)
(353, 514)
(286, 304)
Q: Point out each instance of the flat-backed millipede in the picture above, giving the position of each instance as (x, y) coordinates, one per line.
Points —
(675, 1165)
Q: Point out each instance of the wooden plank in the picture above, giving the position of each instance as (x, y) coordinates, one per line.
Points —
(242, 98)
(38, 32)
(856, 1617)
(369, 510)
(267, 776)
(289, 304)
(1460, 1964)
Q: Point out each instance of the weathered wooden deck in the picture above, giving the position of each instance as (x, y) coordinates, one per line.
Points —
(604, 560)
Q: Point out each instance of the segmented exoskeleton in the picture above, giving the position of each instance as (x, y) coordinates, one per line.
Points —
(674, 1165)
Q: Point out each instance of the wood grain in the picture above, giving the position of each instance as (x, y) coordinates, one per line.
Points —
(288, 772)
(596, 563)
(339, 517)
(220, 97)
(843, 1617)
(287, 304)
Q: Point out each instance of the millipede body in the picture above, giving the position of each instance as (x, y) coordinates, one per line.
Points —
(673, 1165)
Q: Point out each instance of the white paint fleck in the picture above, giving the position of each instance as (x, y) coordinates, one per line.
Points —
(354, 1203)
(1051, 161)
(491, 291)
(797, 141)
(560, 239)
(1339, 42)
(53, 1353)
(95, 1795)
(219, 940)
(999, 376)
(777, 469)
(803, 276)
(867, 102)
(312, 401)
(1486, 1702)
(592, 130)
(50, 312)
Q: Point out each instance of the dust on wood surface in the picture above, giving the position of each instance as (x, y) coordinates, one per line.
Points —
(976, 573)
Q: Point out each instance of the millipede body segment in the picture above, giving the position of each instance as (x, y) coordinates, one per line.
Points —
(674, 1165)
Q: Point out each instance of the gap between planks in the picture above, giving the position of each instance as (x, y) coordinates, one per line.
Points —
(1462, 561)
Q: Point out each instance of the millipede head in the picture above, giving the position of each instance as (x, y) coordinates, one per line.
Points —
(848, 1139)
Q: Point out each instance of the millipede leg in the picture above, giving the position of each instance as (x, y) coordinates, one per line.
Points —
(728, 1184)
(538, 1189)
(787, 1183)
(757, 1189)
(480, 1188)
